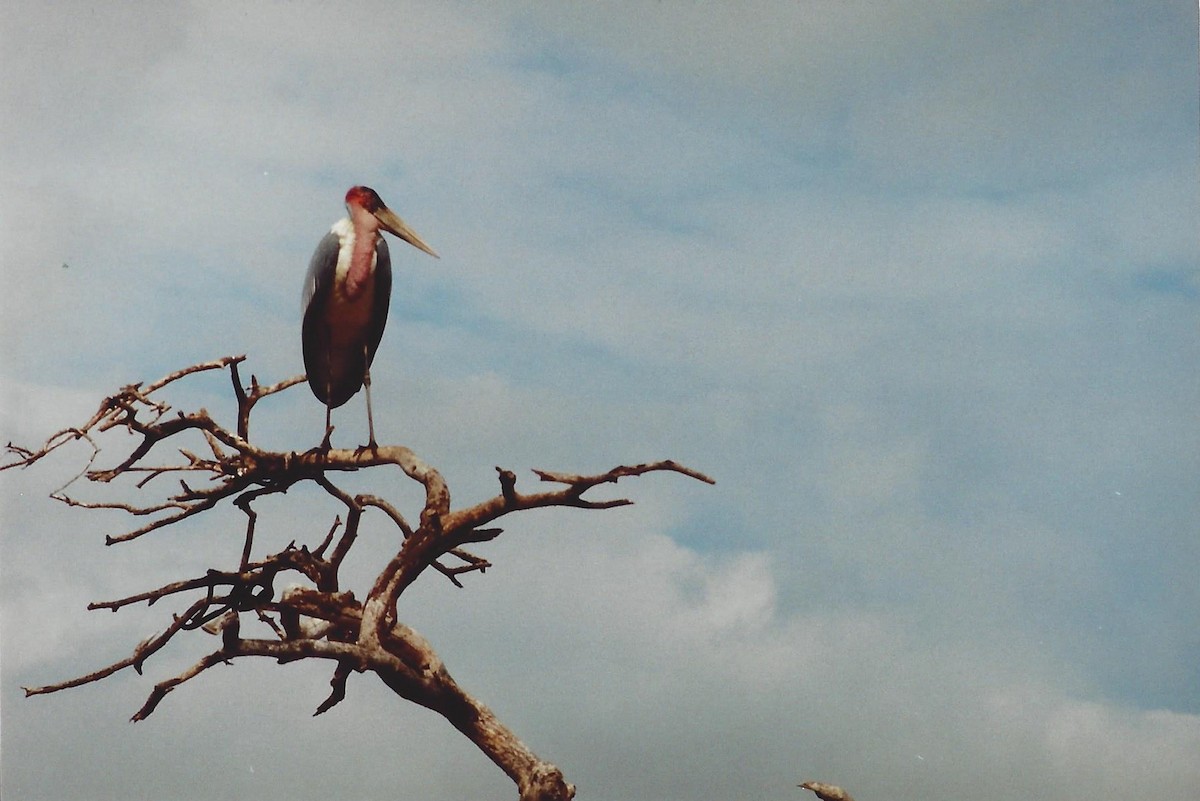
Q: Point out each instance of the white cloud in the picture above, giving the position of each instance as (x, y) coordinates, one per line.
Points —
(911, 283)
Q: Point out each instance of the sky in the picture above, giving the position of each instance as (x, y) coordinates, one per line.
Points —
(917, 283)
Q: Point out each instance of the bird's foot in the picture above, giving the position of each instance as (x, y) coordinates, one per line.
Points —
(372, 447)
(326, 445)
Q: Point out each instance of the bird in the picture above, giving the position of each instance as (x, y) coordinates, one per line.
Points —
(345, 302)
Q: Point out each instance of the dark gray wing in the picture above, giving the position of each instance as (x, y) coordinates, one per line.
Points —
(321, 269)
(318, 284)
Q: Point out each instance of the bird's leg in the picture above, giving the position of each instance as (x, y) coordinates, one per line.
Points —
(370, 418)
(326, 443)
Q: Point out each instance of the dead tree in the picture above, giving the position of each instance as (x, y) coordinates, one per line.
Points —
(315, 617)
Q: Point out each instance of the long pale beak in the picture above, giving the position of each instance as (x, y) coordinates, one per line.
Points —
(390, 222)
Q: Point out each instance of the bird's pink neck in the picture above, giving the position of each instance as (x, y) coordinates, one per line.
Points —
(362, 257)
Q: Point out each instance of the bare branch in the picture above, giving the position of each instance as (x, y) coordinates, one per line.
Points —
(510, 500)
(243, 503)
(391, 511)
(338, 691)
(140, 653)
(246, 400)
(621, 472)
(163, 687)
(215, 364)
(184, 514)
(317, 620)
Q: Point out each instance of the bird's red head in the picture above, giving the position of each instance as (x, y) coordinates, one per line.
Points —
(362, 199)
(365, 198)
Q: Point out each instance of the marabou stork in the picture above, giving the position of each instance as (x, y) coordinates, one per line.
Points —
(346, 296)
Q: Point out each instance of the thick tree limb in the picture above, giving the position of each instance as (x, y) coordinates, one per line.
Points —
(313, 618)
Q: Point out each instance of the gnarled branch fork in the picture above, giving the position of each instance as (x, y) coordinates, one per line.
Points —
(312, 617)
